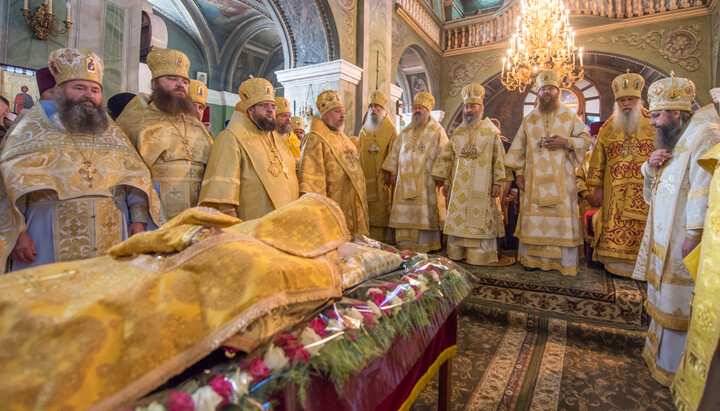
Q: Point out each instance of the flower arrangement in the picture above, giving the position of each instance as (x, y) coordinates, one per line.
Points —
(336, 343)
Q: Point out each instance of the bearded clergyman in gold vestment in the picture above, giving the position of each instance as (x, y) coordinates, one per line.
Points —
(165, 129)
(72, 184)
(251, 172)
(374, 143)
(696, 383)
(472, 166)
(676, 187)
(624, 143)
(414, 213)
(548, 147)
(329, 163)
(284, 126)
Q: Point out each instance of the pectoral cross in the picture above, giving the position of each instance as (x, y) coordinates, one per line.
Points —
(88, 172)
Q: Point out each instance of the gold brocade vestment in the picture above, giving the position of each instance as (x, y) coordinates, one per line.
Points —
(583, 191)
(474, 160)
(175, 148)
(292, 142)
(42, 164)
(373, 147)
(250, 171)
(703, 336)
(615, 167)
(329, 165)
(105, 331)
(678, 197)
(415, 201)
(548, 228)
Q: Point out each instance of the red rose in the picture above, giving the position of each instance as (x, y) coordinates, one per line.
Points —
(179, 401)
(285, 340)
(223, 388)
(369, 319)
(377, 298)
(351, 336)
(258, 370)
(405, 255)
(332, 314)
(318, 325)
(297, 353)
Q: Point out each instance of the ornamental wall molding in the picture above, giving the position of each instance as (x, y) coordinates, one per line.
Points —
(463, 73)
(320, 73)
(678, 46)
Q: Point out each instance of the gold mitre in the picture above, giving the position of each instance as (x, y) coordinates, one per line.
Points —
(628, 85)
(75, 64)
(548, 78)
(379, 98)
(473, 94)
(672, 93)
(198, 91)
(297, 123)
(424, 99)
(253, 91)
(283, 105)
(328, 100)
(168, 62)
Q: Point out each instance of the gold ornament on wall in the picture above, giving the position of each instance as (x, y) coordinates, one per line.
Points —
(543, 40)
(43, 22)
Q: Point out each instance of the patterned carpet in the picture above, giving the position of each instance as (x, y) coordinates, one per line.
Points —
(544, 341)
(592, 296)
(510, 360)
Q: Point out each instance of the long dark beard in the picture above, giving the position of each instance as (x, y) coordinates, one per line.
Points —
(550, 105)
(263, 123)
(668, 136)
(79, 118)
(172, 104)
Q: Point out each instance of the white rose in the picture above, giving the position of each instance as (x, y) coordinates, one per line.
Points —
(206, 399)
(275, 358)
(410, 293)
(308, 337)
(374, 309)
(241, 379)
(154, 406)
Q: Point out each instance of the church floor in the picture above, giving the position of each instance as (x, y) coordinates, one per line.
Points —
(543, 341)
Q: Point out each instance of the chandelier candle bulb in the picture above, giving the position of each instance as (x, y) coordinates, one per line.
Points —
(67, 11)
(25, 5)
(49, 4)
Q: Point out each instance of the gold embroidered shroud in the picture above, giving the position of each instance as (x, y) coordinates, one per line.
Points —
(99, 333)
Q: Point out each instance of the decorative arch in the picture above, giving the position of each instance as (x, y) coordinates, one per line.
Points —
(415, 74)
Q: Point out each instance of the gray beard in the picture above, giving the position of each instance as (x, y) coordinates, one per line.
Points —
(284, 128)
(668, 136)
(80, 119)
(470, 122)
(549, 106)
(373, 125)
(419, 120)
(627, 122)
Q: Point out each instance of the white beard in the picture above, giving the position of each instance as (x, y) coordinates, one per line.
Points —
(627, 122)
(374, 126)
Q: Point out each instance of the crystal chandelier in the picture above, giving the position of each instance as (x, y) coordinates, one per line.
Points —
(543, 40)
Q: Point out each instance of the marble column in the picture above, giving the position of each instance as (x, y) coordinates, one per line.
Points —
(303, 84)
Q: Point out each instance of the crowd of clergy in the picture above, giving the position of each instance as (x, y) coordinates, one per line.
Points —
(635, 191)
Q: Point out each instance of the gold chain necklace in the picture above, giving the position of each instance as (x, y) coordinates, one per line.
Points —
(187, 148)
(87, 170)
(277, 166)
